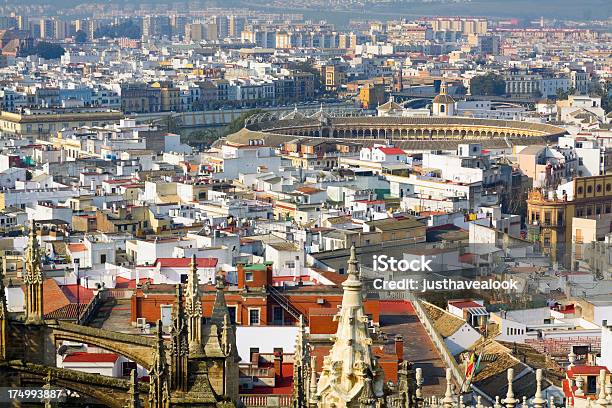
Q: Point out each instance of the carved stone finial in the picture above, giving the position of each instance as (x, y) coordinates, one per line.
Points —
(448, 396)
(352, 262)
(538, 400)
(609, 391)
(313, 379)
(225, 337)
(419, 382)
(134, 398)
(367, 399)
(33, 279)
(510, 401)
(193, 309)
(579, 384)
(601, 400)
(571, 358)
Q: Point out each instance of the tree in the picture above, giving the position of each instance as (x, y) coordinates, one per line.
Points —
(127, 29)
(605, 93)
(238, 123)
(489, 85)
(80, 37)
(307, 66)
(204, 137)
(172, 124)
(47, 50)
(563, 95)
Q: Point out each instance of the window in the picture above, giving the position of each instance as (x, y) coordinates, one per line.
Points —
(253, 317)
(232, 313)
(598, 188)
(166, 315)
(589, 189)
(253, 351)
(103, 258)
(248, 276)
(127, 367)
(277, 315)
(591, 384)
(608, 187)
(580, 190)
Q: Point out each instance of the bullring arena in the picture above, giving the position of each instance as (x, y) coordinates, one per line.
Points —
(409, 133)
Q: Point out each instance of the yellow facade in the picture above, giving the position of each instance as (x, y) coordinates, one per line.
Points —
(550, 220)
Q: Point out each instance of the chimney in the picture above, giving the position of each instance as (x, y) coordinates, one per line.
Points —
(399, 347)
(255, 357)
(278, 362)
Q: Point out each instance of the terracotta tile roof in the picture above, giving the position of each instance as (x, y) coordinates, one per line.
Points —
(71, 292)
(68, 312)
(394, 307)
(54, 297)
(444, 322)
(77, 247)
(464, 304)
(91, 358)
(333, 276)
(586, 370)
(185, 262)
(308, 190)
(125, 283)
(391, 150)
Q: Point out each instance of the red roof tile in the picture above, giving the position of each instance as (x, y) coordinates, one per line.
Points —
(81, 357)
(464, 304)
(71, 292)
(391, 150)
(68, 312)
(585, 370)
(185, 262)
(77, 247)
(392, 307)
(54, 297)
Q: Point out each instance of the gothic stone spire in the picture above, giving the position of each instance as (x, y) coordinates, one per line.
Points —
(193, 309)
(180, 346)
(350, 371)
(33, 279)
